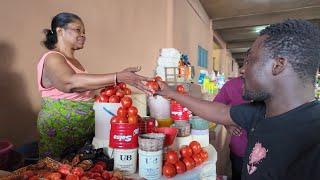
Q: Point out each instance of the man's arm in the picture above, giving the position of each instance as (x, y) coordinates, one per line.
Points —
(211, 111)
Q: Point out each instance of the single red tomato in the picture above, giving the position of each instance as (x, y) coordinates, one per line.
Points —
(123, 120)
(64, 169)
(180, 167)
(102, 98)
(189, 162)
(114, 99)
(97, 98)
(72, 177)
(97, 168)
(122, 85)
(195, 146)
(197, 159)
(133, 119)
(165, 163)
(204, 154)
(106, 175)
(77, 171)
(84, 178)
(180, 88)
(132, 111)
(126, 102)
(102, 90)
(54, 176)
(115, 119)
(88, 174)
(105, 98)
(122, 112)
(109, 92)
(186, 151)
(103, 164)
(153, 85)
(120, 93)
(157, 78)
(172, 157)
(96, 174)
(169, 170)
(127, 91)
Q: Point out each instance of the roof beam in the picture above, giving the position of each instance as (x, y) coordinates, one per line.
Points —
(307, 13)
(238, 45)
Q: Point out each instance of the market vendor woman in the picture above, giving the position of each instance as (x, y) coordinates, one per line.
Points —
(66, 117)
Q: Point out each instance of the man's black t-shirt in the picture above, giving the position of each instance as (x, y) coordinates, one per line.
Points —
(281, 147)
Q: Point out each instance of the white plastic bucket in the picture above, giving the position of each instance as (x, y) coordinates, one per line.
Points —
(159, 107)
(140, 102)
(150, 164)
(202, 136)
(125, 160)
(103, 114)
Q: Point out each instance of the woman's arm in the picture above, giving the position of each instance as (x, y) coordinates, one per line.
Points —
(59, 74)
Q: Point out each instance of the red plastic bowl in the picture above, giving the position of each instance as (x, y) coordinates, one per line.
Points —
(170, 133)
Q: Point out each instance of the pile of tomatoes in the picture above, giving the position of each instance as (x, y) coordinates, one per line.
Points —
(126, 113)
(113, 94)
(119, 94)
(65, 171)
(186, 159)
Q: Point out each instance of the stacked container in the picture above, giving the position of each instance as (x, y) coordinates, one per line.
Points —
(160, 110)
(200, 130)
(103, 114)
(180, 116)
(124, 141)
(150, 155)
(147, 125)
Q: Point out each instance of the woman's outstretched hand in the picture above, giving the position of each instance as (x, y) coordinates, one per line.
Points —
(130, 77)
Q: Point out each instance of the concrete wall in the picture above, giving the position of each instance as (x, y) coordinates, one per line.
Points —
(224, 62)
(119, 34)
(192, 27)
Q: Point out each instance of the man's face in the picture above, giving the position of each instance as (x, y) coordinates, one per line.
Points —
(255, 74)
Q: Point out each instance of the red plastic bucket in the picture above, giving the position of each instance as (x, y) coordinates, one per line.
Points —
(146, 125)
(124, 135)
(178, 112)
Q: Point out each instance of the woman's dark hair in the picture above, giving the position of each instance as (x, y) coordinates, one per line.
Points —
(60, 20)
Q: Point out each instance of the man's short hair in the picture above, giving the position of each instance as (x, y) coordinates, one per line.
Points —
(298, 41)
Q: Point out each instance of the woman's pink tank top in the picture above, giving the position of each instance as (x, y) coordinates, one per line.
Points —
(54, 93)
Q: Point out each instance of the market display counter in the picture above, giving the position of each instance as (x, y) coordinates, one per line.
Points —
(207, 170)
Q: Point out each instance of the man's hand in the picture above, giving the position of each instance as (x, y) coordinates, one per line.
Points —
(164, 90)
(234, 130)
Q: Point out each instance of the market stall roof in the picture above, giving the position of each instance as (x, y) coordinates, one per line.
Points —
(239, 22)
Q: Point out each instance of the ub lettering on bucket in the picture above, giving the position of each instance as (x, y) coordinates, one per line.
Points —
(125, 160)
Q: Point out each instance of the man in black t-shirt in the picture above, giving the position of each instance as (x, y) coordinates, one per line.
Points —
(283, 121)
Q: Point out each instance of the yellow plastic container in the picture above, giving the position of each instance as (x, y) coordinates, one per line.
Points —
(164, 122)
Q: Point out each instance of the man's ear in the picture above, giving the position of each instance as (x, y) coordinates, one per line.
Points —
(279, 65)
